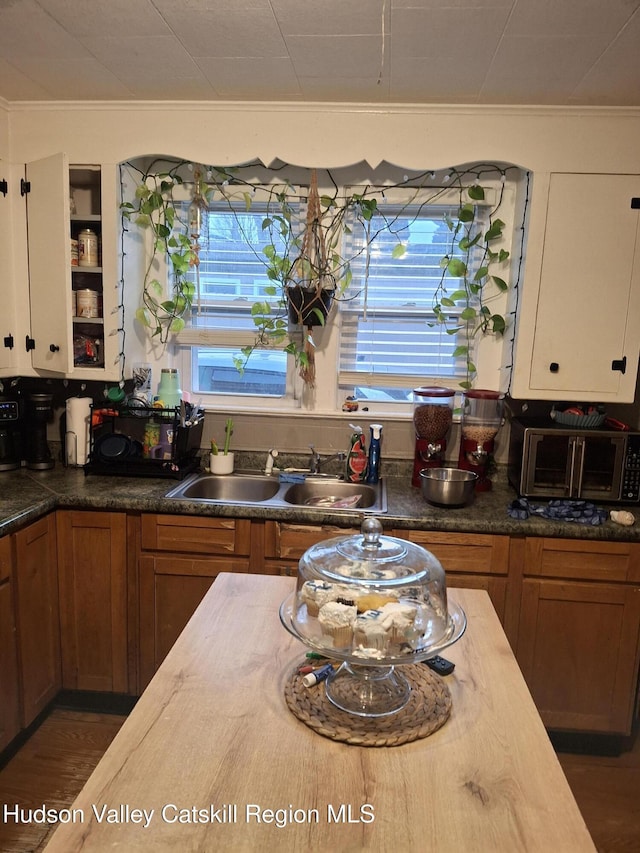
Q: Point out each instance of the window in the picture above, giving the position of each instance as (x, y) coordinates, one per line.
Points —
(389, 341)
(230, 278)
(383, 339)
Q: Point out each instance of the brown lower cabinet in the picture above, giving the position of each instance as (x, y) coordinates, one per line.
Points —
(37, 616)
(579, 632)
(472, 561)
(92, 573)
(571, 608)
(181, 557)
(9, 688)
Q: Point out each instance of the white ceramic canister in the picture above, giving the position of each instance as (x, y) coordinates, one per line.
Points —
(87, 248)
(88, 303)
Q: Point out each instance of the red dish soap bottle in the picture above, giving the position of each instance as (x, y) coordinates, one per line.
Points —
(357, 457)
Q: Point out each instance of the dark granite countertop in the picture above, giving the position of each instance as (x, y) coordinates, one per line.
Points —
(27, 495)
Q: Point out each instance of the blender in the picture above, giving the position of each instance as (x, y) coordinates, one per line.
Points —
(481, 420)
(432, 418)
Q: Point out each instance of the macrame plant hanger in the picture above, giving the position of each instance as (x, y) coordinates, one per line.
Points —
(311, 272)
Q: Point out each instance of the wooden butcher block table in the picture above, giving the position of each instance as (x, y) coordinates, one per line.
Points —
(211, 758)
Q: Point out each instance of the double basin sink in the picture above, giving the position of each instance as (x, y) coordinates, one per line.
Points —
(267, 491)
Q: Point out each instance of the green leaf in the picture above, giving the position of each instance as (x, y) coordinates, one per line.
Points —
(498, 323)
(500, 283)
(476, 192)
(176, 325)
(448, 303)
(458, 296)
(495, 230)
(502, 255)
(481, 273)
(142, 316)
(459, 351)
(398, 251)
(247, 201)
(456, 268)
(468, 313)
(467, 213)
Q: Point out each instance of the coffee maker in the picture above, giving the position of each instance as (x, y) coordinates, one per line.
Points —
(37, 415)
(10, 435)
(432, 418)
(480, 422)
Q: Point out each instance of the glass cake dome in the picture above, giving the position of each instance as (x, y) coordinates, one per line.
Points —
(372, 601)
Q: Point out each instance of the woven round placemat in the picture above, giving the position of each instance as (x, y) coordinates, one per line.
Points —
(426, 711)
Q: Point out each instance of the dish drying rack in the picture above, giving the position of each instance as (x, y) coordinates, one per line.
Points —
(133, 422)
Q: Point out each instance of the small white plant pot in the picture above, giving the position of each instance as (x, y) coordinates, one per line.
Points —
(221, 464)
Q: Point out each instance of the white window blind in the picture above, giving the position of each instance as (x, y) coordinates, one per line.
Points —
(387, 337)
(231, 277)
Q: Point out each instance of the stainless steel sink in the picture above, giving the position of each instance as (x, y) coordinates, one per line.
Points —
(260, 490)
(331, 494)
(231, 488)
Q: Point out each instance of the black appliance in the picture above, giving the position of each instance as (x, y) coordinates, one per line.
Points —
(10, 435)
(553, 461)
(38, 413)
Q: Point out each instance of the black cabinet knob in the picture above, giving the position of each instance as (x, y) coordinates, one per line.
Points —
(554, 367)
(54, 348)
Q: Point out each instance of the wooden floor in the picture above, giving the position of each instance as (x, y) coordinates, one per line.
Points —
(54, 764)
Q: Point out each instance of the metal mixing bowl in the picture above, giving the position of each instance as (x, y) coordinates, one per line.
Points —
(447, 486)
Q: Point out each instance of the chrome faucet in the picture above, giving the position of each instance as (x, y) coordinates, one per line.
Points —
(316, 461)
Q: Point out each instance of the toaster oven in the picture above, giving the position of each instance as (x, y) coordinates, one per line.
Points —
(554, 461)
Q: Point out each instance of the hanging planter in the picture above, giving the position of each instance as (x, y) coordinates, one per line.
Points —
(309, 307)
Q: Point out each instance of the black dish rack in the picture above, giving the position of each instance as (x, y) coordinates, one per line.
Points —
(120, 441)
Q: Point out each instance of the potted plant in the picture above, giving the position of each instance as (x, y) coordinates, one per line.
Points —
(471, 262)
(305, 264)
(155, 210)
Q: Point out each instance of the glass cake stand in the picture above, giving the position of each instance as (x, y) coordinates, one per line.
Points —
(364, 685)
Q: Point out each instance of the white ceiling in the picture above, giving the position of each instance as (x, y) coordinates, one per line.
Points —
(564, 52)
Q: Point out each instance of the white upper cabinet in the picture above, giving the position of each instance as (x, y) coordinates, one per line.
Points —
(62, 202)
(578, 326)
(8, 327)
(49, 264)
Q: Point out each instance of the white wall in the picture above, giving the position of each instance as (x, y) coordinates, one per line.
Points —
(540, 139)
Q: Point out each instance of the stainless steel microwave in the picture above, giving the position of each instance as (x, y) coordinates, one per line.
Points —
(550, 461)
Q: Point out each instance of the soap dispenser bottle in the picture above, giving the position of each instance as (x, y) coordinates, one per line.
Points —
(373, 469)
(357, 457)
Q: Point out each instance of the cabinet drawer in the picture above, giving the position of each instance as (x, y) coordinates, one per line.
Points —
(5, 558)
(467, 553)
(195, 535)
(290, 541)
(582, 560)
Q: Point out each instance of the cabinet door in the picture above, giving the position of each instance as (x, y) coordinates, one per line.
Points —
(93, 600)
(588, 308)
(8, 319)
(37, 616)
(9, 703)
(50, 263)
(171, 588)
(470, 560)
(578, 650)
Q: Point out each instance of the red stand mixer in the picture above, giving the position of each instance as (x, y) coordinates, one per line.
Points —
(481, 420)
(432, 418)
